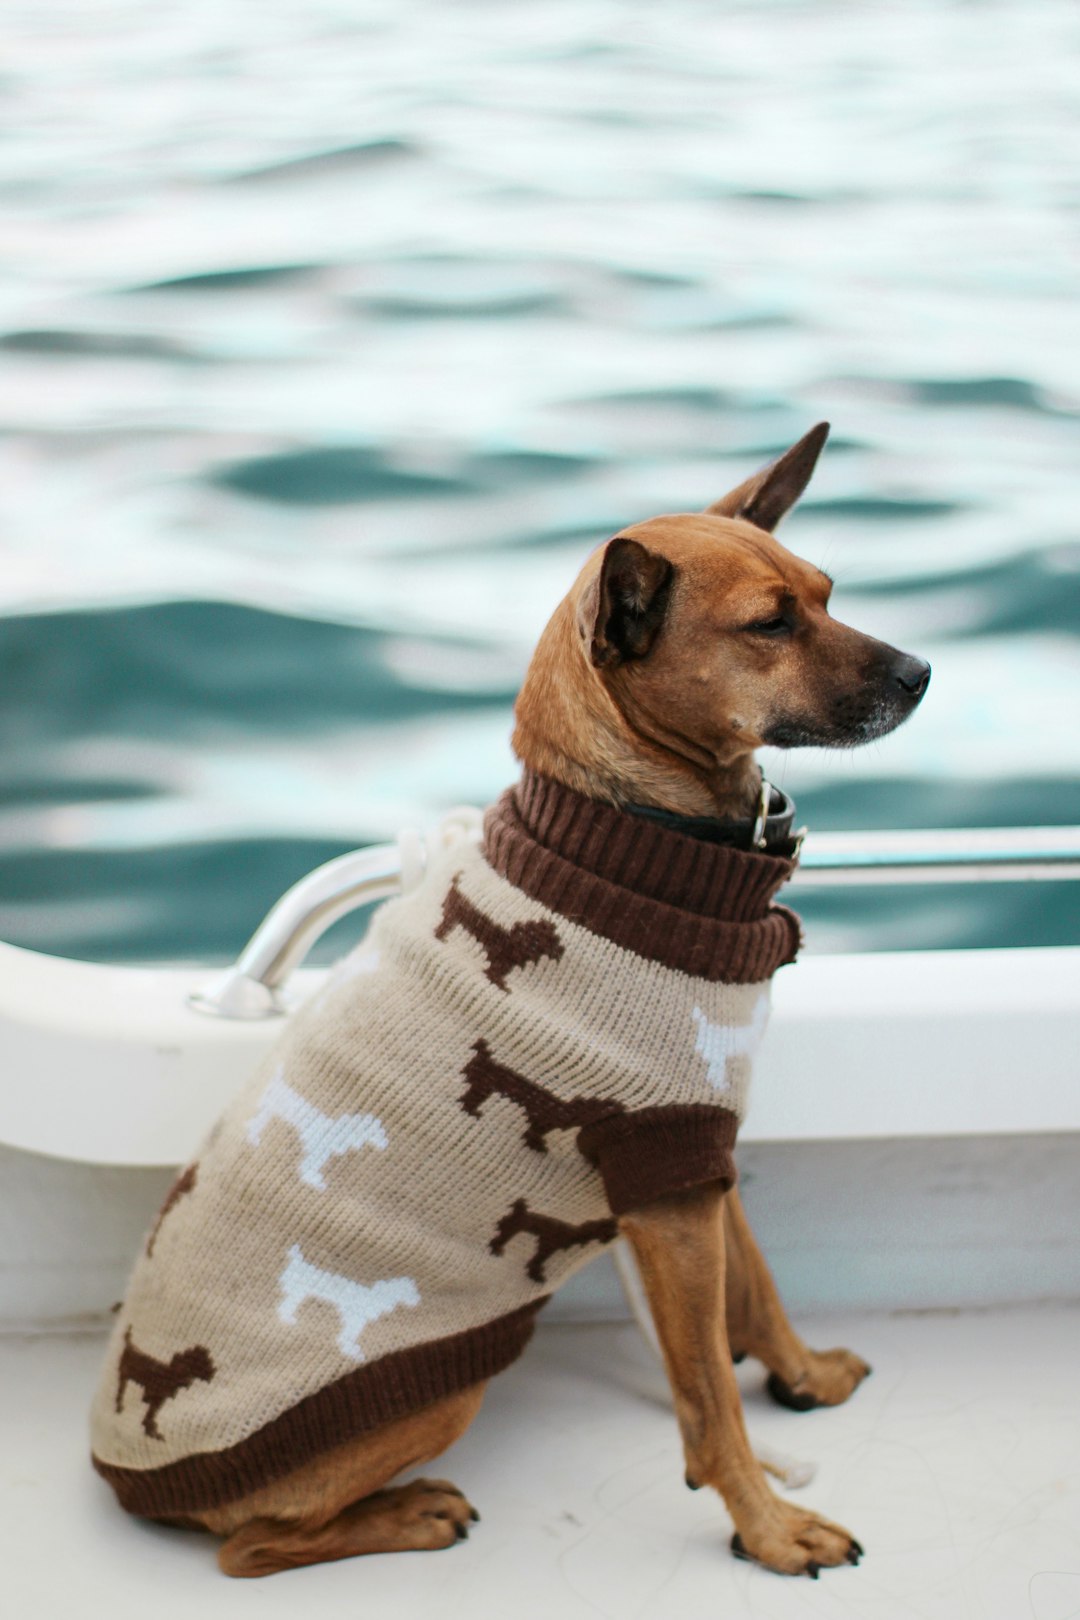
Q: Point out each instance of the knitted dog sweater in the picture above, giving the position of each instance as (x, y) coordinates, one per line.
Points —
(553, 1029)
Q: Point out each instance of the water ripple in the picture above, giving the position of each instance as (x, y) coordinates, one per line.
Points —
(241, 279)
(1015, 393)
(331, 476)
(356, 158)
(97, 345)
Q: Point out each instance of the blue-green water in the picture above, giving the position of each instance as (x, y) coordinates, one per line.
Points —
(334, 336)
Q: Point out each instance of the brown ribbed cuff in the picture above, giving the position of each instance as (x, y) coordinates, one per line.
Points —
(702, 909)
(655, 1151)
(365, 1399)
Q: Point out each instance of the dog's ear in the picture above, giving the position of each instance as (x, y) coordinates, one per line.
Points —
(621, 614)
(764, 498)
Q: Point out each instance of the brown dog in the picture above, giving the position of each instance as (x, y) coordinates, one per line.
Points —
(686, 643)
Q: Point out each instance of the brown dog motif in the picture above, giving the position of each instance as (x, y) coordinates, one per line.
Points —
(183, 1184)
(550, 1233)
(545, 1111)
(505, 948)
(160, 1380)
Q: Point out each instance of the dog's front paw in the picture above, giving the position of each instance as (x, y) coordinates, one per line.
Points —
(793, 1542)
(828, 1378)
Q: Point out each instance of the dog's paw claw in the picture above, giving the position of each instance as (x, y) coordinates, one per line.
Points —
(798, 1543)
(828, 1379)
(784, 1395)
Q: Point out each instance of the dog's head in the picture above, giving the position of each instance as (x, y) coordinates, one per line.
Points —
(689, 641)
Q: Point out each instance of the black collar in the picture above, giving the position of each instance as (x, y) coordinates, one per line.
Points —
(774, 833)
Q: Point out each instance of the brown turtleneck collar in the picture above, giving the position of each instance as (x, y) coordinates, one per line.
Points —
(705, 909)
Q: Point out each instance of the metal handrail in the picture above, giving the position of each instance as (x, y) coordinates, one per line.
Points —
(254, 986)
(941, 855)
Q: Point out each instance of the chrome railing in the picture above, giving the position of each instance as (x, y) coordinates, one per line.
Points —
(945, 855)
(253, 987)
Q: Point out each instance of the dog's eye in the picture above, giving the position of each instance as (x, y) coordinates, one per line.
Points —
(780, 626)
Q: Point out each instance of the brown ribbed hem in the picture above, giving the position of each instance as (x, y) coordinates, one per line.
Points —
(702, 909)
(365, 1399)
(654, 1151)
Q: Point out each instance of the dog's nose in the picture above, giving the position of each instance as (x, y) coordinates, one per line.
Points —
(913, 674)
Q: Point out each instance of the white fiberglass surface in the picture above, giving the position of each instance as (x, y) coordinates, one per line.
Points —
(957, 1465)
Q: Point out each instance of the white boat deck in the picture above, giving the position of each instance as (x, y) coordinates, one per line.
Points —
(957, 1465)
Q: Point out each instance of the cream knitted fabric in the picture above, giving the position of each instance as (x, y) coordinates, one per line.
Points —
(432, 1149)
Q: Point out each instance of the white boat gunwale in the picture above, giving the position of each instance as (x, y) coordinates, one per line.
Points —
(118, 1065)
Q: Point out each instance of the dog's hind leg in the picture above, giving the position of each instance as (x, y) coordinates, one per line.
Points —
(424, 1515)
(342, 1504)
(758, 1326)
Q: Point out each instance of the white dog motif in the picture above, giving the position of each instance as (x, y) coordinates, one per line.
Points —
(321, 1135)
(357, 1305)
(719, 1043)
